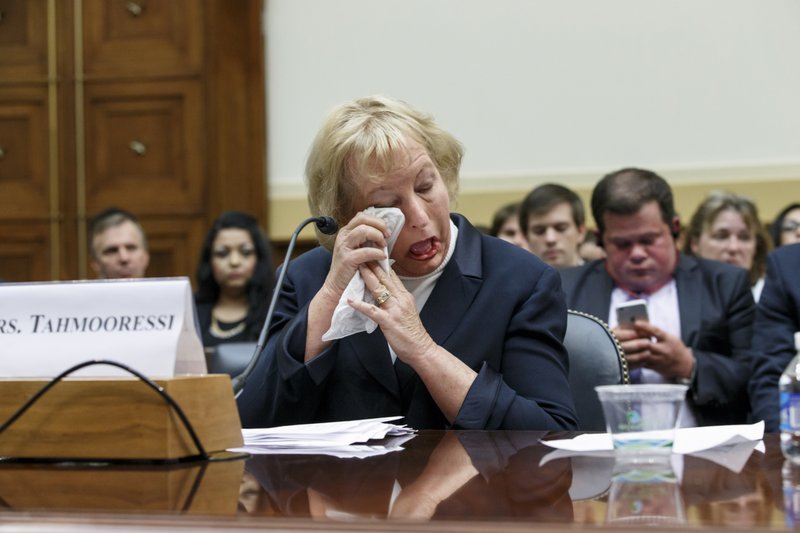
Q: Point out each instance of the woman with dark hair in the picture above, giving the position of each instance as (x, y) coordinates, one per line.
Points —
(785, 229)
(234, 280)
(505, 225)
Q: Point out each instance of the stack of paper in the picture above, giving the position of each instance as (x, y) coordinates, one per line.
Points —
(351, 438)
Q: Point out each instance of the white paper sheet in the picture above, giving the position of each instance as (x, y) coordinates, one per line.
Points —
(687, 440)
(350, 438)
(351, 451)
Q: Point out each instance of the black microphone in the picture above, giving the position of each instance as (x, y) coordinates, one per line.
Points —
(326, 225)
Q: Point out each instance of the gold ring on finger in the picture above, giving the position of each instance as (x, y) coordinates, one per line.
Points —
(382, 297)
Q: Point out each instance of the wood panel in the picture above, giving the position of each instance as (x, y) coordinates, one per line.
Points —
(174, 245)
(160, 112)
(24, 250)
(119, 418)
(236, 105)
(23, 152)
(23, 40)
(145, 146)
(127, 39)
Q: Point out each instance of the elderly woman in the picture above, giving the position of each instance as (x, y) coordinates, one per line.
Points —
(469, 330)
(726, 227)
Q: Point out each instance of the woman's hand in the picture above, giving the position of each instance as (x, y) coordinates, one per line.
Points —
(448, 469)
(396, 314)
(361, 240)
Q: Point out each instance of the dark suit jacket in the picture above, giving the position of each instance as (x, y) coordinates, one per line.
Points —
(777, 318)
(496, 307)
(716, 313)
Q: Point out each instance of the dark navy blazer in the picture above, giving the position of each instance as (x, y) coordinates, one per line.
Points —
(496, 307)
(777, 318)
(716, 313)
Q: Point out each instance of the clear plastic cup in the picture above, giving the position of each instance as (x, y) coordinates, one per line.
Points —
(642, 418)
(645, 494)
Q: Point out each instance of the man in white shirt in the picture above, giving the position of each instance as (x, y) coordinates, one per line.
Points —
(701, 311)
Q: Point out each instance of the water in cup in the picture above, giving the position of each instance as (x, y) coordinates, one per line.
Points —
(642, 418)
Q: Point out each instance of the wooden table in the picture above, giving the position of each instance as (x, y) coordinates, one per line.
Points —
(441, 481)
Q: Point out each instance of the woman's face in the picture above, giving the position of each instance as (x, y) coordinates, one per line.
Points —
(728, 238)
(233, 259)
(511, 232)
(415, 187)
(790, 229)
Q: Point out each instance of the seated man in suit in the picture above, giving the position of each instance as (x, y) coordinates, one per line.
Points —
(701, 312)
(777, 319)
(118, 245)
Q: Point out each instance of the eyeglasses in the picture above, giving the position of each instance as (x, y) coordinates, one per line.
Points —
(789, 226)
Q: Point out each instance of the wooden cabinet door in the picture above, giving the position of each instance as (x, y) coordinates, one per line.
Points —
(24, 152)
(145, 147)
(25, 229)
(128, 39)
(23, 39)
(24, 251)
(155, 106)
(174, 245)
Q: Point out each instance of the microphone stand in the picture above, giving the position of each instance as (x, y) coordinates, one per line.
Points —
(326, 225)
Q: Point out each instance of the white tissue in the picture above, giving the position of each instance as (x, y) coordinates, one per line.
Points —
(346, 320)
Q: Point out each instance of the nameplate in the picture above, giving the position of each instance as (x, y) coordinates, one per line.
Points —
(147, 324)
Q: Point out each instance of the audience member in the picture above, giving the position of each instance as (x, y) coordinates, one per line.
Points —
(589, 250)
(552, 218)
(118, 245)
(469, 330)
(700, 311)
(777, 319)
(726, 227)
(505, 225)
(234, 280)
(785, 229)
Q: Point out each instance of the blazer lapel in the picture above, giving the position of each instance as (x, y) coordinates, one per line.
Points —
(456, 288)
(597, 296)
(690, 297)
(454, 291)
(373, 352)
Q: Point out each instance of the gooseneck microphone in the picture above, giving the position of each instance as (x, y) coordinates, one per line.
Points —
(326, 225)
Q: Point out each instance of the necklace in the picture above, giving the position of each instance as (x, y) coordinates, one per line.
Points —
(220, 333)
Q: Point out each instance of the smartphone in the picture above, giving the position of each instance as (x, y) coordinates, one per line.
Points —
(630, 311)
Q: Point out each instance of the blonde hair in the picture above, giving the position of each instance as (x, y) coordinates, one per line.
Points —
(715, 203)
(362, 138)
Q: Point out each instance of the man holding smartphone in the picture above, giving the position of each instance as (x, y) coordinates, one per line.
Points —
(700, 313)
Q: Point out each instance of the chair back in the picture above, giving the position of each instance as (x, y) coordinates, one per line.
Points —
(595, 358)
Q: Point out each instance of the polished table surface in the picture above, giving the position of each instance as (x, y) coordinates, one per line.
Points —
(439, 481)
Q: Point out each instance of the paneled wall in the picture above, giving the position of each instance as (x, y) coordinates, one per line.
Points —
(155, 106)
